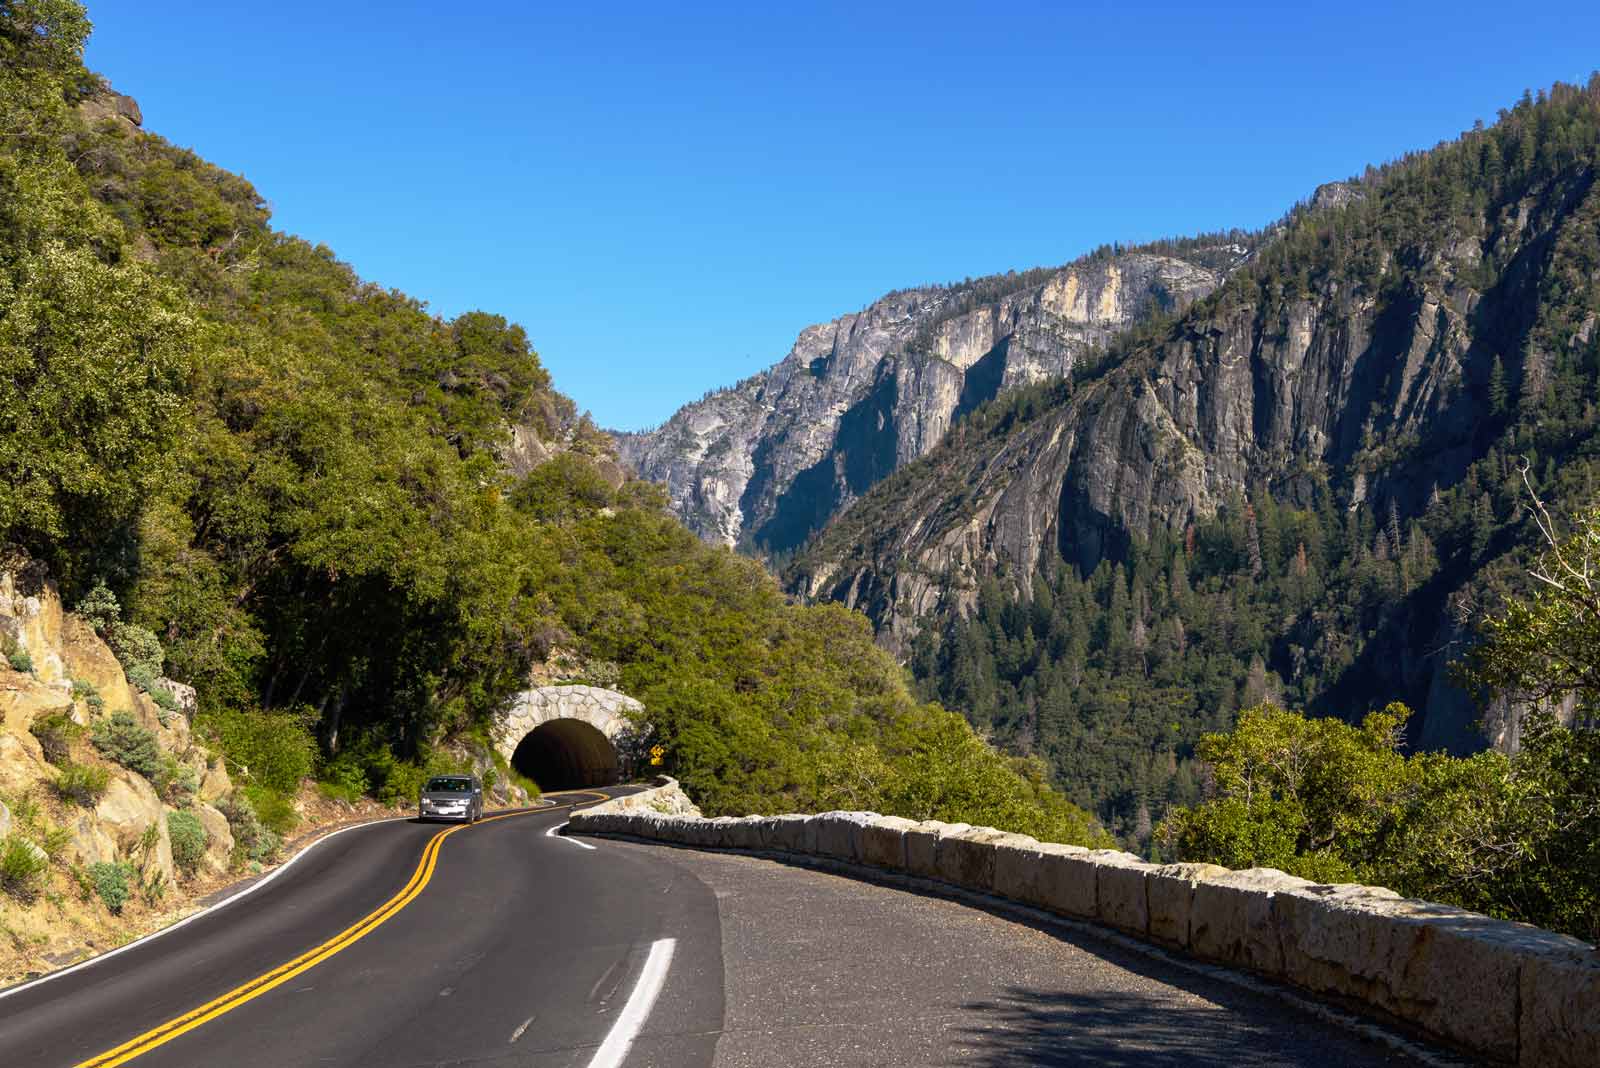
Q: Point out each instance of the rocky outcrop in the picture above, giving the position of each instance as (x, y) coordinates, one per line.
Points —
(60, 662)
(109, 105)
(129, 808)
(768, 461)
(219, 839)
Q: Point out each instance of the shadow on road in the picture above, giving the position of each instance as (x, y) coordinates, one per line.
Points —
(1114, 1029)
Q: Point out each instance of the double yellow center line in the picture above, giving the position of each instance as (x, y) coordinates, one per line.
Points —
(239, 995)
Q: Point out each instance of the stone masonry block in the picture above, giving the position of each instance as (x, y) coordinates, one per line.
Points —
(967, 859)
(1170, 889)
(745, 833)
(839, 834)
(741, 832)
(1340, 939)
(786, 834)
(1121, 898)
(883, 842)
(1560, 1024)
(1017, 870)
(1066, 882)
(722, 831)
(702, 833)
(922, 842)
(1445, 969)
(1232, 918)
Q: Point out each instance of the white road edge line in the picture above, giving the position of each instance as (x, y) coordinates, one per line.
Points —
(637, 1010)
(555, 832)
(252, 888)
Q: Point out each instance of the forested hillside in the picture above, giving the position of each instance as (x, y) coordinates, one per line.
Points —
(1307, 488)
(355, 526)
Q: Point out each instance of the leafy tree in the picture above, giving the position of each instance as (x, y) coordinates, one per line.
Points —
(1546, 646)
(1319, 798)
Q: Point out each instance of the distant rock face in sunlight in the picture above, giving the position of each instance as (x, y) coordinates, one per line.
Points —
(768, 461)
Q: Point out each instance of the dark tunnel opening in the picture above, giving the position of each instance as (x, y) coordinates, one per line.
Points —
(566, 753)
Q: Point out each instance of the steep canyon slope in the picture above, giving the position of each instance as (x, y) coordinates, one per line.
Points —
(1374, 379)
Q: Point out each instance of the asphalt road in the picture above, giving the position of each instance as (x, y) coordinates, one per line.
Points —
(526, 948)
(522, 949)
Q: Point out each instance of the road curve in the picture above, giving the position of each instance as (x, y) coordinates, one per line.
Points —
(525, 947)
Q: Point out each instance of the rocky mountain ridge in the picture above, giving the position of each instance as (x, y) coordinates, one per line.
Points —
(768, 461)
(1407, 336)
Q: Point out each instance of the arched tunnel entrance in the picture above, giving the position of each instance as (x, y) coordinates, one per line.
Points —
(566, 753)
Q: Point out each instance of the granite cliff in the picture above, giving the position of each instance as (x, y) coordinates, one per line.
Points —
(766, 463)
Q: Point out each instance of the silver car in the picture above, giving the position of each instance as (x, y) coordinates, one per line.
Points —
(451, 797)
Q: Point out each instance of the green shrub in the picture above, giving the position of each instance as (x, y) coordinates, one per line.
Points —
(274, 809)
(100, 609)
(251, 841)
(344, 777)
(54, 841)
(56, 733)
(82, 784)
(402, 784)
(85, 691)
(25, 810)
(272, 749)
(516, 778)
(22, 867)
(164, 700)
(175, 781)
(338, 792)
(153, 888)
(110, 881)
(20, 661)
(141, 678)
(131, 744)
(188, 836)
(139, 651)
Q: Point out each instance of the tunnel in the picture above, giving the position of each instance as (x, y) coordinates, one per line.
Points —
(566, 753)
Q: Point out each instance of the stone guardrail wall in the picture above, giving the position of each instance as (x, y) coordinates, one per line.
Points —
(1503, 991)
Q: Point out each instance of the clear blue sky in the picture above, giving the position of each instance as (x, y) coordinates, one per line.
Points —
(665, 194)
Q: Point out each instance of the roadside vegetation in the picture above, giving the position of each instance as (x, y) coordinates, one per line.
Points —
(190, 402)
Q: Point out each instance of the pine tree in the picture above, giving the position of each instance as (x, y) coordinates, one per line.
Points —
(1482, 524)
(1499, 396)
(1252, 541)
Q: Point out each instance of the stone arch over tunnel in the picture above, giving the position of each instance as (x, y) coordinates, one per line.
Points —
(566, 733)
(566, 753)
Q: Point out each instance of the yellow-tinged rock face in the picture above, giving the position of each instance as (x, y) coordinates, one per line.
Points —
(22, 763)
(219, 839)
(90, 659)
(24, 699)
(30, 611)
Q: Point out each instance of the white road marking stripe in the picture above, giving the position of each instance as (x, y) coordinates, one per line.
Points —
(637, 1010)
(555, 832)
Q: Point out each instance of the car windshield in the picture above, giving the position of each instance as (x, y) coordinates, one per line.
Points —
(449, 786)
